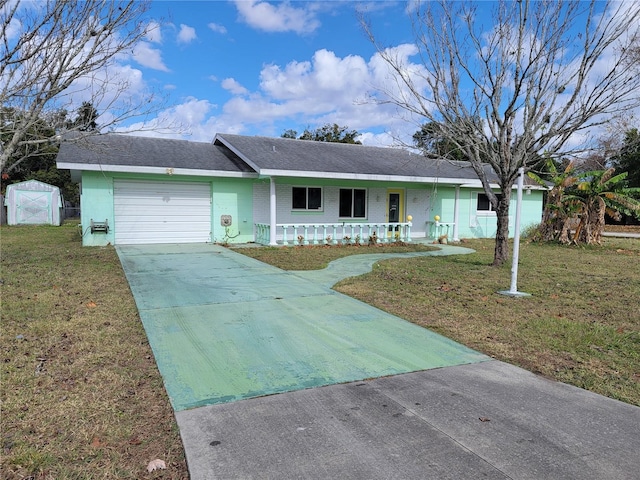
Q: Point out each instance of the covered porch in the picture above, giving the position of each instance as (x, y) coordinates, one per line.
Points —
(393, 211)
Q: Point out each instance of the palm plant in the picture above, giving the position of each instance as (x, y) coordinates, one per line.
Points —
(597, 193)
(578, 201)
(558, 213)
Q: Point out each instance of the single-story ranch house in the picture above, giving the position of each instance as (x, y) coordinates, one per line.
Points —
(240, 189)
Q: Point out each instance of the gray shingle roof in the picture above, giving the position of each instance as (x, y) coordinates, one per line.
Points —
(128, 150)
(271, 155)
(265, 155)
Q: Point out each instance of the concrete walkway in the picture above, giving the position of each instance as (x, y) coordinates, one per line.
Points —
(354, 265)
(390, 400)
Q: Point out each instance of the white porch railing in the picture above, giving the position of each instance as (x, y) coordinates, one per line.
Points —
(437, 229)
(334, 233)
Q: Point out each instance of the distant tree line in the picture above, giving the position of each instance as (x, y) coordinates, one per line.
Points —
(327, 133)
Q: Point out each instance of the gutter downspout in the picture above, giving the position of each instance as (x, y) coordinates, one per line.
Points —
(272, 211)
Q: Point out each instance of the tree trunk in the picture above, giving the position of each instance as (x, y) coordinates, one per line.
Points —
(553, 218)
(501, 252)
(564, 232)
(597, 226)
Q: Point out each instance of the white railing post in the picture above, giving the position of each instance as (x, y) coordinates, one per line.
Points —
(272, 211)
(294, 238)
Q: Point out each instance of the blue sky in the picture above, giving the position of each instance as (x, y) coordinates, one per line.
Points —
(259, 68)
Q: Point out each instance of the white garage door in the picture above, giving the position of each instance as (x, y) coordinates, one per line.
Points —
(161, 212)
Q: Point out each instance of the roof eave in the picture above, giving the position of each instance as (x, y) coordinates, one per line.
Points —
(369, 177)
(155, 170)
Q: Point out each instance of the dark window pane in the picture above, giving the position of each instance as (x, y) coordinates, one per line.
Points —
(359, 203)
(299, 197)
(345, 202)
(315, 198)
(483, 202)
(394, 207)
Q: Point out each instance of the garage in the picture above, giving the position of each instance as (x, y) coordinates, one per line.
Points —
(161, 212)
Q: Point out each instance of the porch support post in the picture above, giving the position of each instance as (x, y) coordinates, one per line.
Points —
(272, 211)
(456, 214)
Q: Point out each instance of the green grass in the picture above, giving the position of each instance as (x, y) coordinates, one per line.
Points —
(81, 394)
(581, 325)
(82, 397)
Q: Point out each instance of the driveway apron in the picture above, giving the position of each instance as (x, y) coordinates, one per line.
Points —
(226, 327)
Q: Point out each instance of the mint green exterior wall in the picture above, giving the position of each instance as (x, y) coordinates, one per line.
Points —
(232, 197)
(96, 202)
(247, 202)
(474, 224)
(229, 197)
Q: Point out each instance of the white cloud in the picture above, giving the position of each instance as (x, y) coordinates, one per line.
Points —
(217, 28)
(190, 120)
(154, 32)
(325, 89)
(233, 86)
(186, 34)
(193, 111)
(326, 77)
(13, 30)
(15, 27)
(282, 17)
(147, 56)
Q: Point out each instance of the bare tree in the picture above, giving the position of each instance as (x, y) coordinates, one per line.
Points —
(55, 54)
(531, 83)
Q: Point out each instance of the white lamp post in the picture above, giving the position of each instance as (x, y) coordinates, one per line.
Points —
(513, 291)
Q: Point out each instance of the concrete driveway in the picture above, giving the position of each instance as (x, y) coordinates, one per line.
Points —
(360, 393)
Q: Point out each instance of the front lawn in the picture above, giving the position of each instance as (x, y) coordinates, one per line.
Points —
(581, 325)
(81, 396)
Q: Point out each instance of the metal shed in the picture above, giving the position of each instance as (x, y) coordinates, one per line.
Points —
(33, 203)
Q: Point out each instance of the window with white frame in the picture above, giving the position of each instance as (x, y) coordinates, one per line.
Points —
(353, 203)
(306, 198)
(483, 204)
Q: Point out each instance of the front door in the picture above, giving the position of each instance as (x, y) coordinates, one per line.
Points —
(395, 208)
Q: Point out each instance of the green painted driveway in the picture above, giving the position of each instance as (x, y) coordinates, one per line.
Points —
(225, 327)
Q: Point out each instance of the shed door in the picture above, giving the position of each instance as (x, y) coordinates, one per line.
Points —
(161, 212)
(33, 207)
